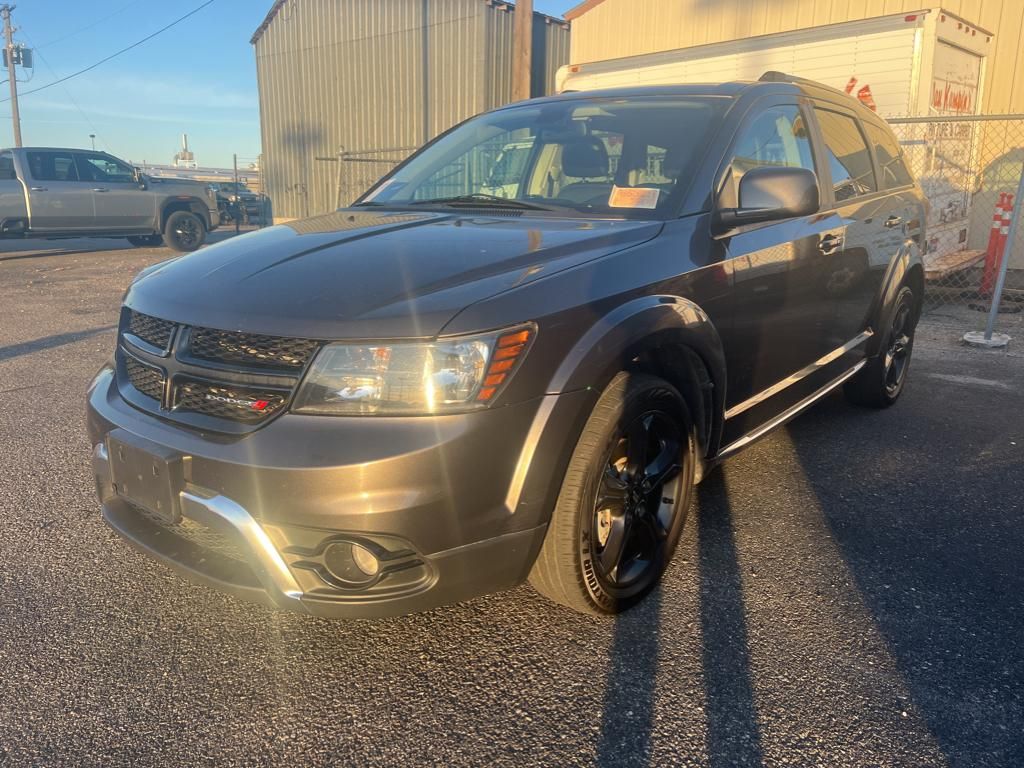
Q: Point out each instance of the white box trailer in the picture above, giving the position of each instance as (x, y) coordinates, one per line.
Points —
(926, 63)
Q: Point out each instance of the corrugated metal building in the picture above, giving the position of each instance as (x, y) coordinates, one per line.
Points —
(609, 29)
(376, 78)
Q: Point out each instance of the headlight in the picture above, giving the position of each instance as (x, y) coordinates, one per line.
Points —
(448, 375)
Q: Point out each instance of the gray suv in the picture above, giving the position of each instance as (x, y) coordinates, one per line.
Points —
(441, 392)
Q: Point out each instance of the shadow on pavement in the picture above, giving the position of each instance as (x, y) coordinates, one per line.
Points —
(730, 711)
(933, 539)
(49, 342)
(627, 717)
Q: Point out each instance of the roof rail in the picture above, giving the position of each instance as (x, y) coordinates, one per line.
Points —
(771, 76)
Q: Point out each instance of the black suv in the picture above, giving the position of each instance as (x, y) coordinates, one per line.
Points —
(442, 391)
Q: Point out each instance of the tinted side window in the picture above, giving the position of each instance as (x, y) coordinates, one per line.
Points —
(776, 137)
(848, 156)
(52, 166)
(106, 168)
(7, 166)
(890, 158)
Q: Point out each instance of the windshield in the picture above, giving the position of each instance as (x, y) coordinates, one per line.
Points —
(622, 156)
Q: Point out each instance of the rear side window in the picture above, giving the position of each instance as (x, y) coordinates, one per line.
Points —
(52, 166)
(777, 137)
(890, 158)
(7, 166)
(848, 156)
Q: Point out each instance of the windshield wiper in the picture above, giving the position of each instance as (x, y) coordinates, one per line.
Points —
(482, 200)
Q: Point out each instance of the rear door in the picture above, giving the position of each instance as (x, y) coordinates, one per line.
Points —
(121, 205)
(59, 200)
(780, 312)
(873, 221)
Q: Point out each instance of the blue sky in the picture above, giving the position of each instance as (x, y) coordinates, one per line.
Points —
(197, 78)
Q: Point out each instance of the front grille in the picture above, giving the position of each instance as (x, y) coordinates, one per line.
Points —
(201, 375)
(250, 349)
(227, 401)
(151, 330)
(145, 378)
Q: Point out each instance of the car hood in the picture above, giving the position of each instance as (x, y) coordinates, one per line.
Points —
(367, 274)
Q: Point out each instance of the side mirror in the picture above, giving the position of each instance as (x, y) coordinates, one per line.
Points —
(772, 193)
(139, 178)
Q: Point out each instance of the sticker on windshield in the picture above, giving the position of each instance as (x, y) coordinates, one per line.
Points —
(633, 197)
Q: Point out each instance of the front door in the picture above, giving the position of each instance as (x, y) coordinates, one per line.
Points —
(121, 205)
(59, 199)
(779, 270)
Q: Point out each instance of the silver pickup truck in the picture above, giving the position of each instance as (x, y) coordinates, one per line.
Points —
(52, 192)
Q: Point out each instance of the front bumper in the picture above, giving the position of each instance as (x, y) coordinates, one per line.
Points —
(453, 506)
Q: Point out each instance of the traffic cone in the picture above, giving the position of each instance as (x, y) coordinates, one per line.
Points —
(988, 277)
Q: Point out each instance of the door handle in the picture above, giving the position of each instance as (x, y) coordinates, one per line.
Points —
(100, 189)
(37, 189)
(829, 244)
(893, 221)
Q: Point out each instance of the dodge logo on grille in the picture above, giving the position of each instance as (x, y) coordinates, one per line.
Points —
(255, 405)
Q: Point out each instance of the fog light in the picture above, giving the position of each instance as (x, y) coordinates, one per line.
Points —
(351, 563)
(365, 560)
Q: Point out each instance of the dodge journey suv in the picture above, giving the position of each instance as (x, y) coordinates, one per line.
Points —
(462, 381)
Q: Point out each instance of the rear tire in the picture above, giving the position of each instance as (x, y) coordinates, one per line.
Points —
(623, 501)
(146, 241)
(184, 231)
(880, 382)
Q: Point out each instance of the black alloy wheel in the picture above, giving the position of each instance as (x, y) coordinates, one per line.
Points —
(897, 355)
(635, 504)
(623, 501)
(184, 231)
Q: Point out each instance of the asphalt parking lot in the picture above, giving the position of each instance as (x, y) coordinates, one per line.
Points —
(849, 593)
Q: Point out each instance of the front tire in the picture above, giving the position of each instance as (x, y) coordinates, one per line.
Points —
(184, 231)
(623, 501)
(880, 383)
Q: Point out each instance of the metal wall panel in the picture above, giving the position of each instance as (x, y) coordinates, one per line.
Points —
(616, 28)
(366, 76)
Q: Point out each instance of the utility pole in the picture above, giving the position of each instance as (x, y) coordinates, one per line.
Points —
(5, 10)
(239, 205)
(522, 50)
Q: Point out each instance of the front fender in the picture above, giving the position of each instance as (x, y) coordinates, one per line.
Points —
(616, 339)
(669, 328)
(610, 345)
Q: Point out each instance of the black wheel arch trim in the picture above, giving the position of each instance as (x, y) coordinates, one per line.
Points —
(907, 268)
(639, 334)
(190, 204)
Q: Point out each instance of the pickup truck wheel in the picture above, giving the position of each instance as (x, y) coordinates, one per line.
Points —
(184, 231)
(879, 383)
(145, 241)
(623, 501)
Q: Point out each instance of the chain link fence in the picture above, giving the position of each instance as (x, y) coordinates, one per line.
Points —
(970, 167)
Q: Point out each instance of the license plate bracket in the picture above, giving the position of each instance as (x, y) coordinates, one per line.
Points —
(147, 474)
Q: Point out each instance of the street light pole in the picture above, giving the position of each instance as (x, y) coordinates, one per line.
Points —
(92, 137)
(5, 11)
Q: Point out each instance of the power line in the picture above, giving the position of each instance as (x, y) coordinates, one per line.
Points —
(114, 55)
(67, 92)
(96, 23)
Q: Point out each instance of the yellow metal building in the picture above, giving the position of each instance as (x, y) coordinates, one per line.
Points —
(608, 29)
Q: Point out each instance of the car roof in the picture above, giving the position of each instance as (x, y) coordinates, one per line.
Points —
(771, 83)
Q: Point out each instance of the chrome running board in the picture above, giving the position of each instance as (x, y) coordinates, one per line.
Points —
(788, 414)
(800, 375)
